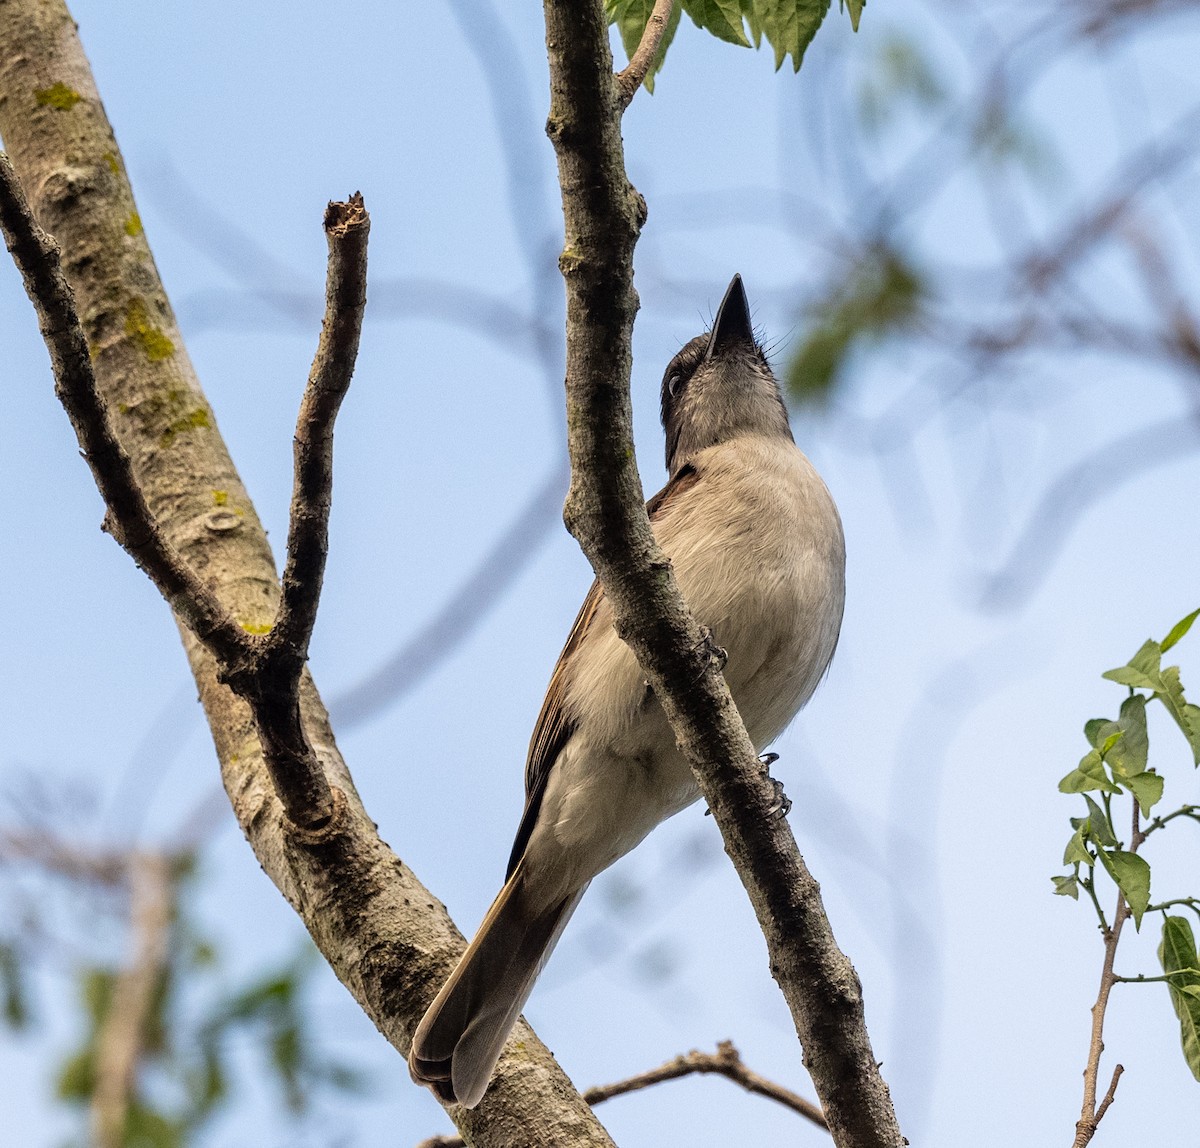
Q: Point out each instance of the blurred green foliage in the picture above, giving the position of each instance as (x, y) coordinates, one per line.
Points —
(879, 294)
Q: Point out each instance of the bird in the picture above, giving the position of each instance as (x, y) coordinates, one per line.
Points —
(758, 552)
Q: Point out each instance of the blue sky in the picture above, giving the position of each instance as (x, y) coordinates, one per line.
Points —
(923, 773)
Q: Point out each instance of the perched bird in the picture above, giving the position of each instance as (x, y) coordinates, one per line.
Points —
(756, 545)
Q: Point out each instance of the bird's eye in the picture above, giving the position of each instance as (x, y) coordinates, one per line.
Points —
(674, 382)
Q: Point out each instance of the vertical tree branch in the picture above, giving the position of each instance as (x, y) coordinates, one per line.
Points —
(605, 511)
(121, 1038)
(1091, 1115)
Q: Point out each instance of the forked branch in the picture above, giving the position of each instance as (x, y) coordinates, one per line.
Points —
(726, 1062)
(264, 669)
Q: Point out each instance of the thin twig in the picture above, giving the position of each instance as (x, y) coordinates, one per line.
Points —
(129, 518)
(270, 680)
(1089, 1118)
(630, 78)
(726, 1061)
(123, 1029)
(1112, 1091)
(1091, 1115)
(347, 226)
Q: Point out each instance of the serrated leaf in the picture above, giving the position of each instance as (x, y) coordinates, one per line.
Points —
(1170, 693)
(1142, 672)
(1099, 829)
(854, 7)
(1089, 775)
(1067, 886)
(1179, 630)
(1128, 756)
(1178, 951)
(723, 18)
(790, 25)
(1076, 850)
(1147, 789)
(1132, 876)
(753, 21)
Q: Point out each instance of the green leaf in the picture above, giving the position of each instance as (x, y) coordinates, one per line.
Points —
(1132, 876)
(1089, 775)
(1128, 756)
(1076, 850)
(1147, 789)
(1142, 671)
(1067, 886)
(753, 20)
(1178, 951)
(1099, 829)
(1186, 715)
(723, 18)
(790, 25)
(855, 8)
(1179, 630)
(1091, 730)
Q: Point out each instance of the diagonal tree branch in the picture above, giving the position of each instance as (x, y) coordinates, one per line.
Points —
(265, 670)
(605, 511)
(129, 519)
(385, 935)
(630, 78)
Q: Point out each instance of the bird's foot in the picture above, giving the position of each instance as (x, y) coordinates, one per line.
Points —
(717, 655)
(782, 805)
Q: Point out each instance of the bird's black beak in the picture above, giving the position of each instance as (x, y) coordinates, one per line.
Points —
(732, 325)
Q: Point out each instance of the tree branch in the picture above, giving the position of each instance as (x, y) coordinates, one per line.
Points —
(270, 679)
(129, 519)
(263, 670)
(630, 78)
(726, 1061)
(606, 513)
(123, 1029)
(384, 934)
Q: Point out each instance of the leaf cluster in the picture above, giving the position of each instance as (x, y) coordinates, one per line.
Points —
(788, 26)
(185, 1067)
(1117, 763)
(880, 293)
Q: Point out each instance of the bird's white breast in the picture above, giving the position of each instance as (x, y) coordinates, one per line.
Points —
(757, 548)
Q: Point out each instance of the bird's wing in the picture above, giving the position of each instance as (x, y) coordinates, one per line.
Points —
(554, 725)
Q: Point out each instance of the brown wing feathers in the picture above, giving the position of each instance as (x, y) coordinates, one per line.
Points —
(554, 727)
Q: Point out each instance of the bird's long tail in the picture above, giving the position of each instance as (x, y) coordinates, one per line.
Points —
(458, 1041)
